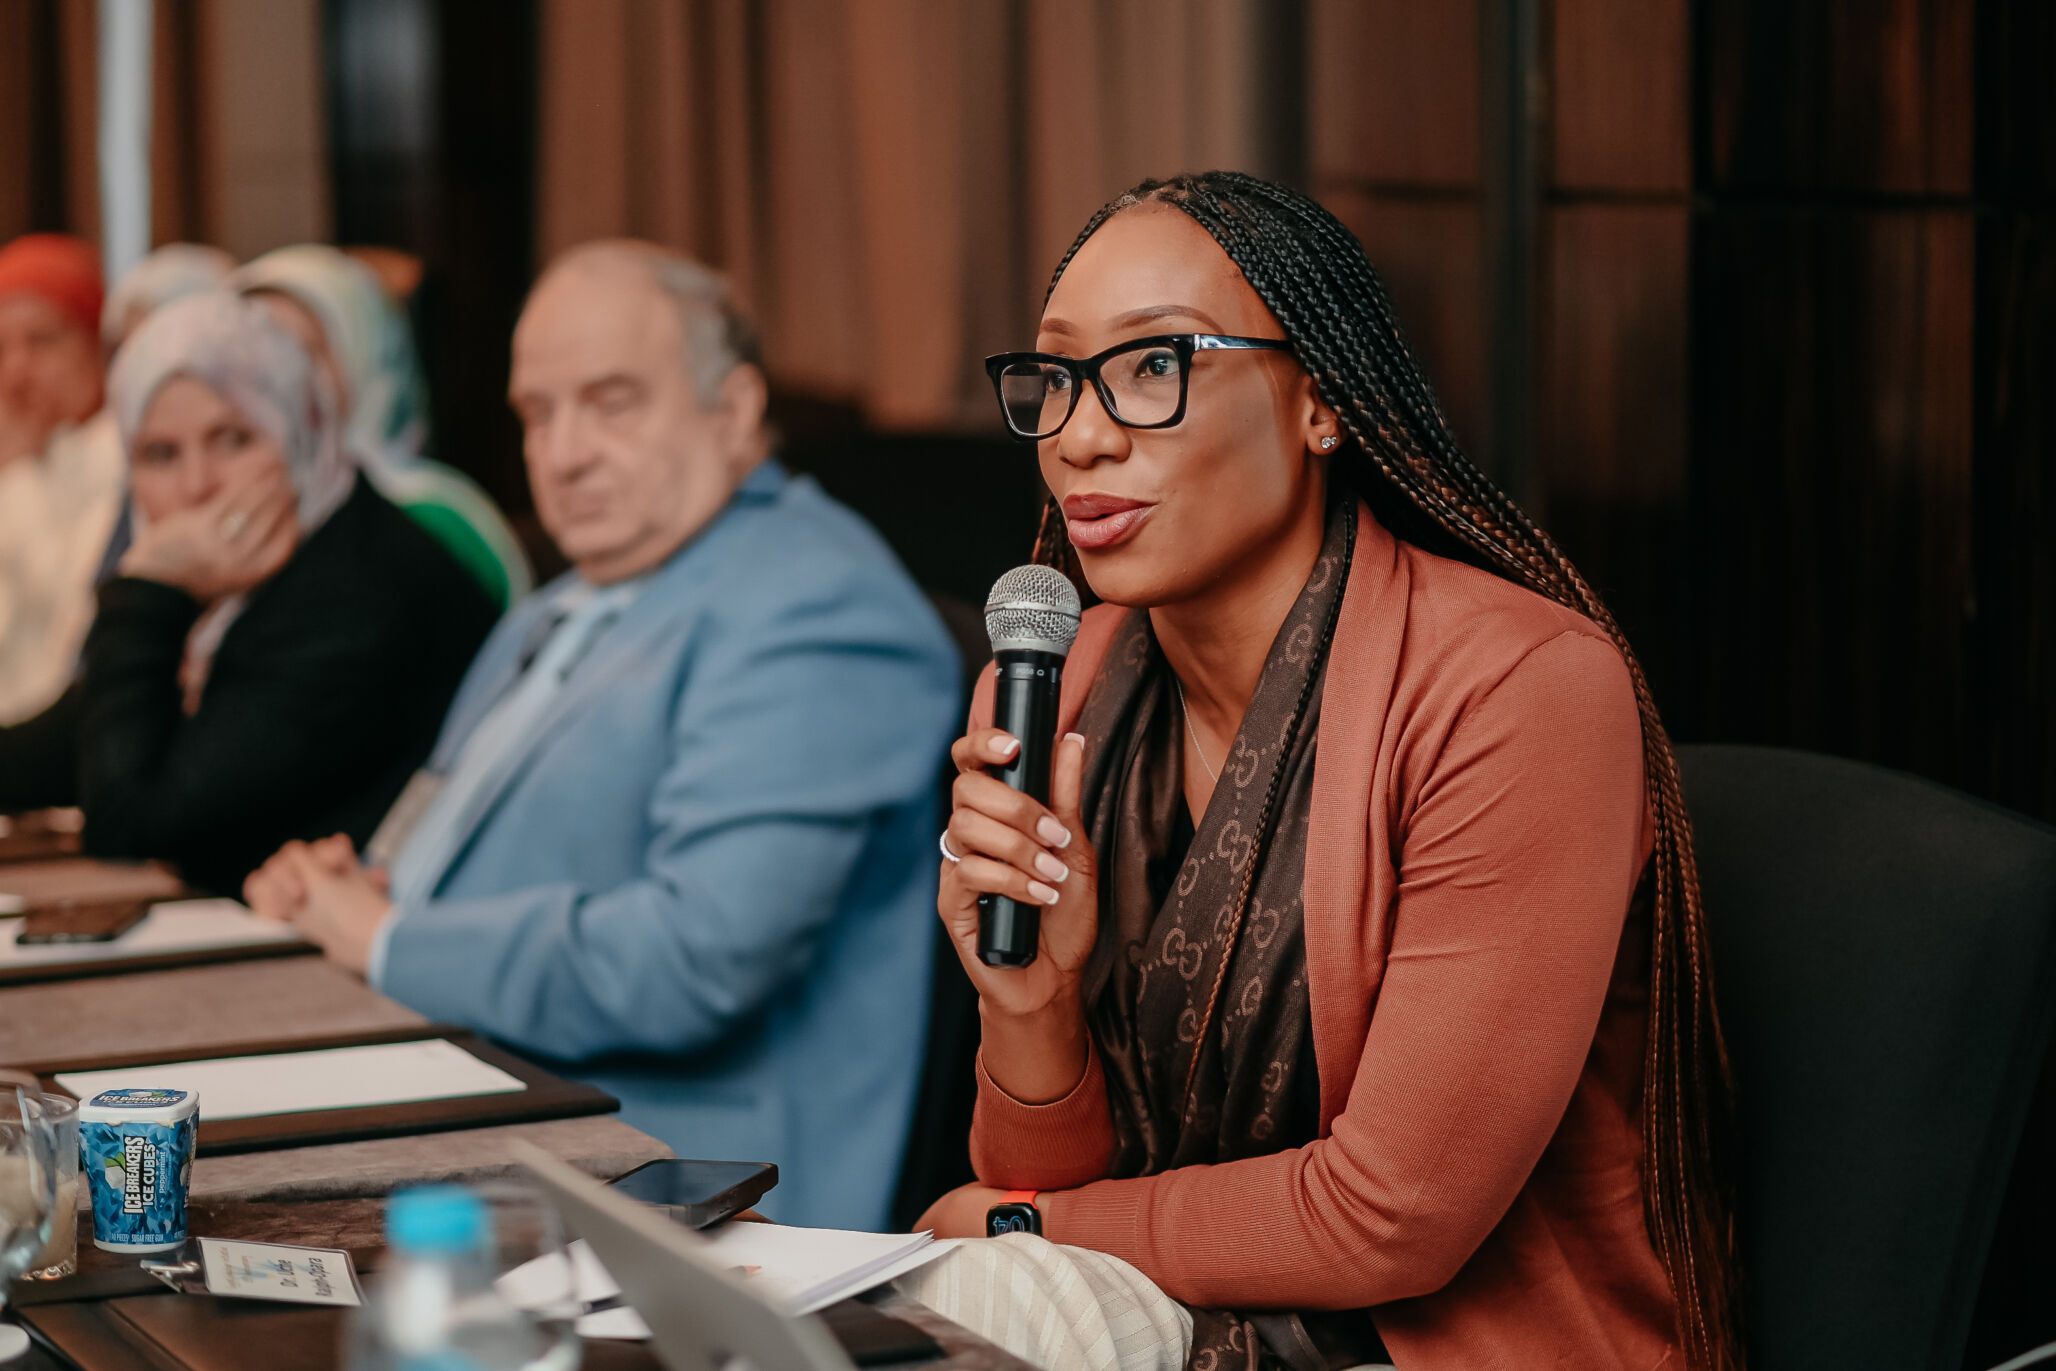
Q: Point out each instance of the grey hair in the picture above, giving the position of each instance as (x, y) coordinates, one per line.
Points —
(719, 337)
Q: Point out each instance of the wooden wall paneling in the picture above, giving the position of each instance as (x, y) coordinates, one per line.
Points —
(2014, 628)
(383, 63)
(1610, 455)
(1510, 187)
(179, 173)
(28, 157)
(2013, 673)
(1393, 150)
(581, 121)
(910, 105)
(2014, 631)
(1393, 92)
(432, 110)
(1925, 404)
(2016, 99)
(1427, 254)
(1620, 95)
(812, 323)
(483, 238)
(77, 94)
(1747, 415)
(1832, 481)
(1839, 95)
(47, 153)
(266, 132)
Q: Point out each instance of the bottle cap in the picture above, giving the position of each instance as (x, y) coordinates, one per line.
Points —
(435, 1219)
(140, 1104)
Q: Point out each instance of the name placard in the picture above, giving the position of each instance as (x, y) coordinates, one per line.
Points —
(274, 1271)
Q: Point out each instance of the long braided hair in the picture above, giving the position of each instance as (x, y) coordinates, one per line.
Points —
(1401, 457)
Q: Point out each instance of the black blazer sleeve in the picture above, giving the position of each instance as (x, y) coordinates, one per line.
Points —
(325, 694)
(39, 758)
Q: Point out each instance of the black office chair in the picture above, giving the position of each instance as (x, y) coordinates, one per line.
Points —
(938, 1155)
(1886, 959)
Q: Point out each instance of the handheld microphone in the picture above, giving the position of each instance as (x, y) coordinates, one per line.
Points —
(1032, 618)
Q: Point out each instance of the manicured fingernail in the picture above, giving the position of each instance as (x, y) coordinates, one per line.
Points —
(1078, 738)
(1042, 893)
(1052, 832)
(1008, 746)
(1051, 867)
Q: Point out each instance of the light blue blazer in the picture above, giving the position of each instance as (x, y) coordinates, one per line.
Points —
(707, 882)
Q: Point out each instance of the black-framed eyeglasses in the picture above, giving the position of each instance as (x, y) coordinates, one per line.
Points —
(1141, 382)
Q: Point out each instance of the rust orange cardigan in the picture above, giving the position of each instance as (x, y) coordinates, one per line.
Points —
(1478, 996)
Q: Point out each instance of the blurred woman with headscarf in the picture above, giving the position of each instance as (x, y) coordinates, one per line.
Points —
(64, 494)
(60, 465)
(169, 273)
(337, 308)
(275, 655)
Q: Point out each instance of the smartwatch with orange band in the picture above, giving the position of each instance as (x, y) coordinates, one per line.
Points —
(1015, 1213)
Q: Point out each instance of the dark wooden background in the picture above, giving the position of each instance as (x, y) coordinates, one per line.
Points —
(1788, 313)
(1749, 300)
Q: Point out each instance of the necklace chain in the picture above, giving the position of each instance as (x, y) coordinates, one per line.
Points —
(1186, 713)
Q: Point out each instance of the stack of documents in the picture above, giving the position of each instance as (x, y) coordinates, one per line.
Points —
(800, 1270)
(311, 1080)
(805, 1269)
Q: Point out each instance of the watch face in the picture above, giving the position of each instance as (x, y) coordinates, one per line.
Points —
(1013, 1218)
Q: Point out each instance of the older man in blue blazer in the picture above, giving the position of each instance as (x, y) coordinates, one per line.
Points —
(679, 832)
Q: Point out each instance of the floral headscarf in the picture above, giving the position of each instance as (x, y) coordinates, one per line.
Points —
(233, 347)
(387, 427)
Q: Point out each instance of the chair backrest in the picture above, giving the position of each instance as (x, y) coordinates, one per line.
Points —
(1885, 951)
(958, 509)
(460, 516)
(938, 1155)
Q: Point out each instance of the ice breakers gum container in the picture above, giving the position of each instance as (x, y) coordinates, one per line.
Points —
(136, 1148)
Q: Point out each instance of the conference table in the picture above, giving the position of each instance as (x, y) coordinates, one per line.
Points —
(328, 1195)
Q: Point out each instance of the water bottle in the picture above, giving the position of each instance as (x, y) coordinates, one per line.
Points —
(432, 1306)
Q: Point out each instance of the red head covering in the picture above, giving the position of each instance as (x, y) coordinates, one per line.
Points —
(62, 269)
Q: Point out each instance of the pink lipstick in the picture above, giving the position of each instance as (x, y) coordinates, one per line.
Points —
(1096, 522)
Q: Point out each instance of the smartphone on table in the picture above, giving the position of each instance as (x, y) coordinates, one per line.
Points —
(699, 1194)
(80, 921)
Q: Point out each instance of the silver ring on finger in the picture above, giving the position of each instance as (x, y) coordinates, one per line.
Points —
(942, 841)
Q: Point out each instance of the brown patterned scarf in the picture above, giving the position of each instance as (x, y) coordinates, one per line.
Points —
(1201, 945)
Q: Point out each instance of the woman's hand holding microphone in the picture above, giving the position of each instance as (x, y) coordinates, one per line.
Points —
(1005, 843)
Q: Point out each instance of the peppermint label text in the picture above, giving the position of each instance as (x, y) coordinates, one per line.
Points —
(138, 1174)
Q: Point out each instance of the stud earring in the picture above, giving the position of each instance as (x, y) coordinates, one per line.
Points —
(1327, 443)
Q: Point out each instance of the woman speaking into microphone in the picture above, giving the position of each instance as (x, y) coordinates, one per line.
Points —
(1372, 1018)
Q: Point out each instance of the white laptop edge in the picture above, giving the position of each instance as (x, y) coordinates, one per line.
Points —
(698, 1313)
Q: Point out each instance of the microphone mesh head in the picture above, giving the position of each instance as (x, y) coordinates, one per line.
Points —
(1032, 609)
